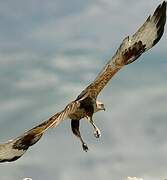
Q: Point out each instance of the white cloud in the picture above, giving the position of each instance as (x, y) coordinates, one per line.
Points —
(134, 178)
(17, 57)
(37, 78)
(134, 125)
(13, 105)
(100, 25)
(73, 63)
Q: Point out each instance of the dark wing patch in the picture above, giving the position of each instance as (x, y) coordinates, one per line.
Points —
(133, 52)
(14, 149)
(129, 51)
(26, 141)
(9, 160)
(153, 28)
(8, 153)
(160, 19)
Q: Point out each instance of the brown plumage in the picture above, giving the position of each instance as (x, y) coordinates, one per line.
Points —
(86, 103)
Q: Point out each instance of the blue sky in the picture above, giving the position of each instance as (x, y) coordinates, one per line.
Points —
(49, 51)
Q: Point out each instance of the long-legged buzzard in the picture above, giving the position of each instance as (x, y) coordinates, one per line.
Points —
(86, 104)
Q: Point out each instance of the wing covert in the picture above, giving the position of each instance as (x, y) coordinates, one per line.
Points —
(131, 49)
(14, 149)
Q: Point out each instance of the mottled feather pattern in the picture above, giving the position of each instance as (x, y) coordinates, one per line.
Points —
(152, 30)
(130, 50)
(14, 149)
(8, 153)
(133, 52)
(66, 113)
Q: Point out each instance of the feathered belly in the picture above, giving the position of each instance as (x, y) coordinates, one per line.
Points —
(79, 114)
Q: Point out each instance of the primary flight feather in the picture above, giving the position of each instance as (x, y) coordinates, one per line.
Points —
(86, 104)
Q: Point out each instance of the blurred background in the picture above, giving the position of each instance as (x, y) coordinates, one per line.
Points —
(49, 51)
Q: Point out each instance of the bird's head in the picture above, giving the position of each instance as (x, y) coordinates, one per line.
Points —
(99, 106)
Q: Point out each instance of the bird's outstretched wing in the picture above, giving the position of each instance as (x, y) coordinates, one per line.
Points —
(130, 49)
(14, 149)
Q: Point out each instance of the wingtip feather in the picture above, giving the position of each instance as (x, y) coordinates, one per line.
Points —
(159, 17)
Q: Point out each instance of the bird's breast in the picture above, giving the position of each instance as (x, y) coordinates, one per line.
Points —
(78, 114)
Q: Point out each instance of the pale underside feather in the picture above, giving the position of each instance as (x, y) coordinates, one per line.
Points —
(14, 149)
(148, 34)
(130, 49)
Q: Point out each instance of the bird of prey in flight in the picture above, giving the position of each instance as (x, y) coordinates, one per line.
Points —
(86, 104)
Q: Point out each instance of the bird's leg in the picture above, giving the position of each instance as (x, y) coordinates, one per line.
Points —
(97, 132)
(75, 130)
(84, 145)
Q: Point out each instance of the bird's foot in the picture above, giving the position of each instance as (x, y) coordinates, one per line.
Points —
(97, 133)
(85, 147)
